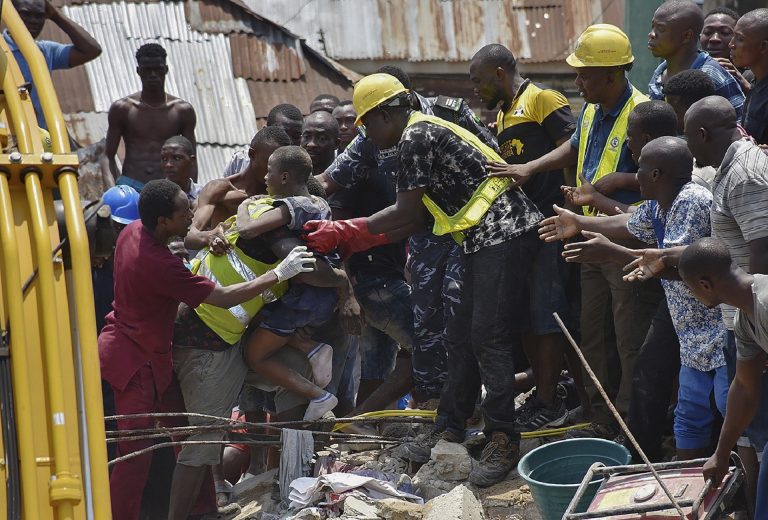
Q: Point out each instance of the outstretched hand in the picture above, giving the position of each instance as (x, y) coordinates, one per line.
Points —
(595, 249)
(562, 226)
(584, 195)
(649, 264)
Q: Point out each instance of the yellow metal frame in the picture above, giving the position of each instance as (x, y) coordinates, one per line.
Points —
(45, 379)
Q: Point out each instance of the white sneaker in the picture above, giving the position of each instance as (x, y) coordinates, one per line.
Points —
(320, 406)
(321, 361)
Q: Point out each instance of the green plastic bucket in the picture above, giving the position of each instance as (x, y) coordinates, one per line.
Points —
(554, 472)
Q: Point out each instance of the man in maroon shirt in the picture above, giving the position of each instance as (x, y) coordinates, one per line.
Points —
(135, 344)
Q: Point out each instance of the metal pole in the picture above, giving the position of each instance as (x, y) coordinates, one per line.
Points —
(617, 416)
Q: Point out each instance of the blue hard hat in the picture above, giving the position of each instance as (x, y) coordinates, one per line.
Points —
(123, 202)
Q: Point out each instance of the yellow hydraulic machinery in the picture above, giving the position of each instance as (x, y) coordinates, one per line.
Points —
(53, 457)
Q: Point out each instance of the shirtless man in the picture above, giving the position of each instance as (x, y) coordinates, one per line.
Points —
(144, 120)
(220, 198)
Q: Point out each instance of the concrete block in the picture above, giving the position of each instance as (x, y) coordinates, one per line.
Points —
(394, 509)
(459, 504)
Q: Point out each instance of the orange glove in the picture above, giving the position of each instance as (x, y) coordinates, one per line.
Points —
(349, 236)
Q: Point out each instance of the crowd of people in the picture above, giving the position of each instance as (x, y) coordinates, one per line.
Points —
(395, 244)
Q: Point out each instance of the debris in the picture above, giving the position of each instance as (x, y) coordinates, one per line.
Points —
(393, 509)
(451, 461)
(357, 508)
(298, 448)
(307, 490)
(459, 504)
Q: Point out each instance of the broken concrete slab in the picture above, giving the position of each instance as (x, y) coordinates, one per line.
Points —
(393, 509)
(359, 509)
(251, 483)
(451, 461)
(459, 504)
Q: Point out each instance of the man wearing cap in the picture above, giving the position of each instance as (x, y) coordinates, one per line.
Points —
(443, 169)
(615, 315)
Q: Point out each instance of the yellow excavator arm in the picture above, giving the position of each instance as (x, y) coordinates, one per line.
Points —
(53, 457)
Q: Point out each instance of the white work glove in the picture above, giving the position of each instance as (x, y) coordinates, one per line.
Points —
(298, 261)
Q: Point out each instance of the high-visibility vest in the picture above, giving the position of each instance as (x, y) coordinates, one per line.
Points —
(235, 267)
(609, 160)
(482, 198)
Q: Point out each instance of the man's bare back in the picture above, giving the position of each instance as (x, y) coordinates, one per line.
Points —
(144, 128)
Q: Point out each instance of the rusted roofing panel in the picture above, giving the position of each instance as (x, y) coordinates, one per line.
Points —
(72, 85)
(318, 80)
(439, 30)
(259, 59)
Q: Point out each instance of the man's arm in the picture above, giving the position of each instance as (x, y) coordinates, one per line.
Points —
(617, 181)
(654, 263)
(115, 120)
(329, 185)
(561, 157)
(188, 124)
(758, 256)
(597, 249)
(269, 220)
(85, 47)
(199, 235)
(402, 217)
(743, 401)
(297, 261)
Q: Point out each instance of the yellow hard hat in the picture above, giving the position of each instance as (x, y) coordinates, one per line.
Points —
(372, 91)
(601, 45)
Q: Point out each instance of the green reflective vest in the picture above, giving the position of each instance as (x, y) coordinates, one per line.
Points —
(482, 198)
(609, 160)
(235, 267)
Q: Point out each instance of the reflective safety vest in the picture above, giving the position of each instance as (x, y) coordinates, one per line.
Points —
(235, 267)
(480, 201)
(609, 160)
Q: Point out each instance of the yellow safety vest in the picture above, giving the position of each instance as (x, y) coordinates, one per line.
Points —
(609, 160)
(235, 267)
(480, 201)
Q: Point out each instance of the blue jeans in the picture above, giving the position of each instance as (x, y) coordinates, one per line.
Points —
(386, 303)
(693, 414)
(129, 181)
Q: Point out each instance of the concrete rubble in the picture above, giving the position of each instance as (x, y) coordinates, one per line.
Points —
(441, 482)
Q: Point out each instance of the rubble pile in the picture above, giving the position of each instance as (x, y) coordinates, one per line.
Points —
(379, 484)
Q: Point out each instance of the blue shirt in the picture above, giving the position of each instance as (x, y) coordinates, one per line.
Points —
(701, 330)
(725, 84)
(602, 124)
(56, 57)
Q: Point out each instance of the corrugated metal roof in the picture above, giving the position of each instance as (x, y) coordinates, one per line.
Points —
(232, 77)
(201, 72)
(439, 30)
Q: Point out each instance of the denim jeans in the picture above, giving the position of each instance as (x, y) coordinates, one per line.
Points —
(386, 303)
(437, 271)
(488, 327)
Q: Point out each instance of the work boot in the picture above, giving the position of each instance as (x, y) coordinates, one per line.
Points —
(594, 431)
(420, 449)
(499, 457)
